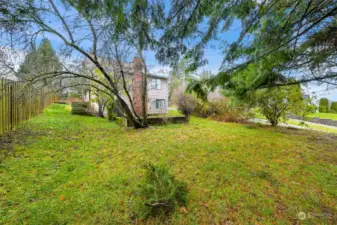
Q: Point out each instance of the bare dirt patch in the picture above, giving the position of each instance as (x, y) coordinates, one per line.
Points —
(20, 136)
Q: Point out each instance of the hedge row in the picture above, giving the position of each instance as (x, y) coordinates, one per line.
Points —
(324, 106)
(333, 107)
(60, 102)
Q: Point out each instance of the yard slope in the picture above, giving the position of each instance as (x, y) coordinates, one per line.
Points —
(84, 170)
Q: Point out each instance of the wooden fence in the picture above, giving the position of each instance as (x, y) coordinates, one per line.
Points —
(18, 102)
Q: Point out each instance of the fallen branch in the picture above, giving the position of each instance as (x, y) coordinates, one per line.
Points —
(157, 204)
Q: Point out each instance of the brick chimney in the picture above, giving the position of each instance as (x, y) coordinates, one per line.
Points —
(137, 78)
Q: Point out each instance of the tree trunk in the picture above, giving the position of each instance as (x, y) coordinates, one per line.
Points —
(100, 112)
(144, 93)
(129, 115)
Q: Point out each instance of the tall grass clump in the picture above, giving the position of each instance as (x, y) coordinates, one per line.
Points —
(161, 192)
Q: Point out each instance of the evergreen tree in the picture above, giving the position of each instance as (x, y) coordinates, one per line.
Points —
(47, 59)
(323, 105)
(281, 35)
(333, 107)
(41, 60)
(27, 68)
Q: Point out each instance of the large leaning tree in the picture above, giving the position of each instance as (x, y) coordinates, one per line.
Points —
(278, 38)
(94, 32)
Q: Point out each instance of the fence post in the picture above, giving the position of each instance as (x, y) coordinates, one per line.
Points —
(11, 111)
(1, 107)
(6, 105)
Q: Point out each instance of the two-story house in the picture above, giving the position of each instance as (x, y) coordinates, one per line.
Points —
(157, 89)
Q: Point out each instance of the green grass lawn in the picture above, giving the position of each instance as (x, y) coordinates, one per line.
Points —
(332, 116)
(170, 113)
(316, 127)
(174, 113)
(67, 169)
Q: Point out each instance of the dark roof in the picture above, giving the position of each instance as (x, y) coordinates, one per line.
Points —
(157, 76)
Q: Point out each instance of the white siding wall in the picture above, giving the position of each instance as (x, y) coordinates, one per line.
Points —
(93, 105)
(154, 94)
(86, 96)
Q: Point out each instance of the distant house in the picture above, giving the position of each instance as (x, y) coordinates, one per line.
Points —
(157, 96)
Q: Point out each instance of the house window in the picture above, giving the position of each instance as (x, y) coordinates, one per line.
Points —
(155, 83)
(160, 104)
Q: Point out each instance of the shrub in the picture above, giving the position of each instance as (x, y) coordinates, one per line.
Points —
(79, 108)
(333, 107)
(275, 103)
(302, 108)
(60, 102)
(225, 112)
(323, 105)
(161, 191)
(110, 111)
(203, 109)
(82, 104)
(186, 104)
